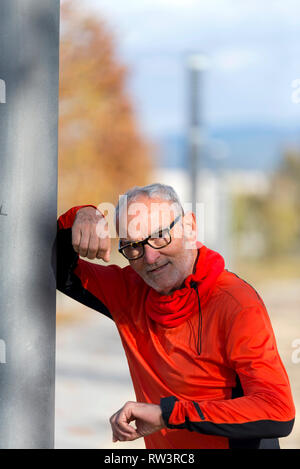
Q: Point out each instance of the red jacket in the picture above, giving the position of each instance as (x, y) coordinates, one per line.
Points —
(231, 392)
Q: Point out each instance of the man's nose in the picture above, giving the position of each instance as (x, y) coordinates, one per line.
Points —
(151, 255)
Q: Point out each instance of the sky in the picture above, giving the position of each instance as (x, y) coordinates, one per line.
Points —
(252, 51)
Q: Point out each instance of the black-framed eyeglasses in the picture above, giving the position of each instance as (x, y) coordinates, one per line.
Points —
(158, 240)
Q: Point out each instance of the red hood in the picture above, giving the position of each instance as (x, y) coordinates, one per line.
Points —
(208, 266)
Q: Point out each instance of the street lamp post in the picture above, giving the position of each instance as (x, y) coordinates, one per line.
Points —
(196, 64)
(29, 45)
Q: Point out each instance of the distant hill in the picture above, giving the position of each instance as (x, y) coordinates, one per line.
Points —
(244, 147)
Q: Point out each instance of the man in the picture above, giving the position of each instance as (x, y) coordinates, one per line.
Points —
(198, 340)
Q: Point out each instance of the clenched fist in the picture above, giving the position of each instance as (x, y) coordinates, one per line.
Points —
(90, 236)
(147, 417)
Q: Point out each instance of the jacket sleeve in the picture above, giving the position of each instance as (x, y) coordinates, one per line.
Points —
(99, 287)
(265, 408)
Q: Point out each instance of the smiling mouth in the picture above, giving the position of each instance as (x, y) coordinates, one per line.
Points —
(158, 269)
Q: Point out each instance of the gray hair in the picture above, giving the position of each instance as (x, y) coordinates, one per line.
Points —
(152, 191)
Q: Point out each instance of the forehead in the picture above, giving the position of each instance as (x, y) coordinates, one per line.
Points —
(145, 216)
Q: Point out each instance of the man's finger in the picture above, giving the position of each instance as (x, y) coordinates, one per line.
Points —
(124, 428)
(93, 246)
(84, 243)
(76, 237)
(104, 250)
(121, 429)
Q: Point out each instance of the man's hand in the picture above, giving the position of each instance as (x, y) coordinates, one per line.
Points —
(148, 419)
(90, 234)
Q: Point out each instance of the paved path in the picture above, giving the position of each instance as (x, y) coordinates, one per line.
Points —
(92, 382)
(93, 379)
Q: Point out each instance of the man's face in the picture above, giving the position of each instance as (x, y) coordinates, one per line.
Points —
(163, 269)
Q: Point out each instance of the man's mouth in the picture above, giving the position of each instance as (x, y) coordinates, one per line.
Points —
(158, 269)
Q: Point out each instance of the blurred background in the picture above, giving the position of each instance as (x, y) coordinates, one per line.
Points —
(204, 96)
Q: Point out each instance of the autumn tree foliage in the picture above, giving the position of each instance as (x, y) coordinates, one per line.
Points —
(101, 150)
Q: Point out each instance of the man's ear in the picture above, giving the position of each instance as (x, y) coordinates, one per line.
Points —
(190, 230)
